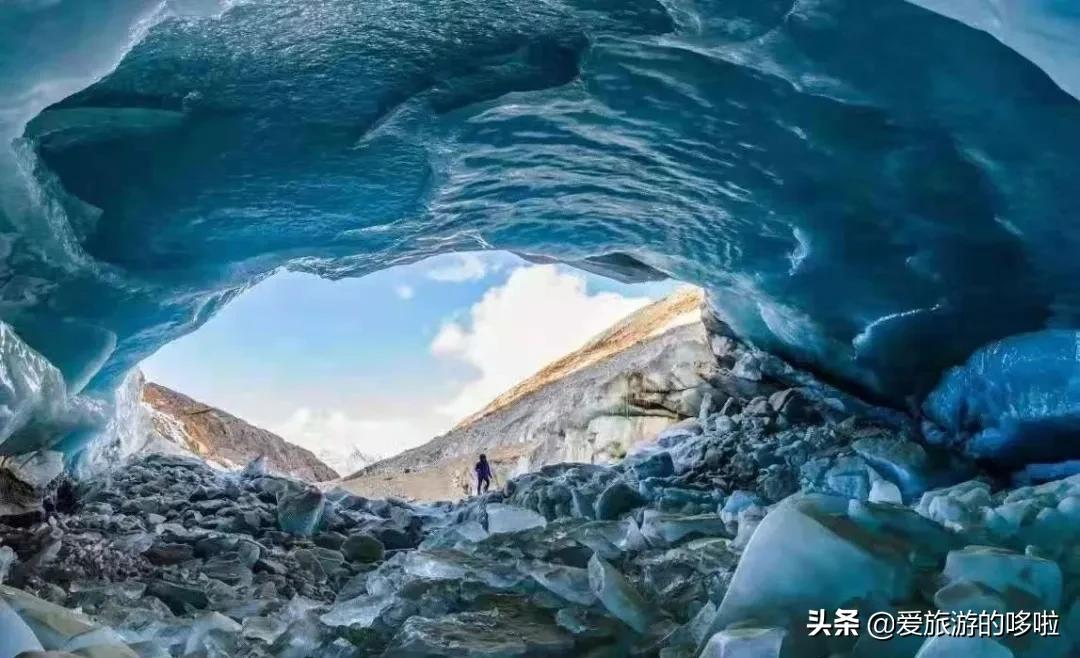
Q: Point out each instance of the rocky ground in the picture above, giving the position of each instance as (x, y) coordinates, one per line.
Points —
(714, 542)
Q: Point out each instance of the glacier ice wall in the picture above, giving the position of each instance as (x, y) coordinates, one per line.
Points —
(865, 187)
(1015, 401)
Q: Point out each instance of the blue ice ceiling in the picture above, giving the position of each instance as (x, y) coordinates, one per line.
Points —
(864, 186)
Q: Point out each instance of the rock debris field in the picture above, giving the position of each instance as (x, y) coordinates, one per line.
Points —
(716, 541)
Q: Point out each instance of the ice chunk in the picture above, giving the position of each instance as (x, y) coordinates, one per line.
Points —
(746, 643)
(968, 647)
(7, 558)
(503, 518)
(299, 512)
(15, 636)
(661, 529)
(1001, 570)
(909, 465)
(967, 596)
(36, 409)
(570, 583)
(1021, 395)
(959, 507)
(204, 626)
(610, 538)
(53, 625)
(737, 502)
(360, 611)
(618, 595)
(883, 491)
(806, 554)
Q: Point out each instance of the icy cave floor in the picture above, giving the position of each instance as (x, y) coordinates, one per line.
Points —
(716, 541)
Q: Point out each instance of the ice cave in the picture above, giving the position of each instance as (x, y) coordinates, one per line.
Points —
(877, 197)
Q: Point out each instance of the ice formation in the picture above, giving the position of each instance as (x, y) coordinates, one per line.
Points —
(832, 173)
(1014, 401)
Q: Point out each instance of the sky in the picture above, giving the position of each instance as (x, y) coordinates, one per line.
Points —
(388, 361)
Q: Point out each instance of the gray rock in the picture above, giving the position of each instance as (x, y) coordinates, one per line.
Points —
(657, 465)
(363, 548)
(616, 500)
(310, 563)
(179, 598)
(329, 539)
(166, 554)
(505, 633)
(228, 569)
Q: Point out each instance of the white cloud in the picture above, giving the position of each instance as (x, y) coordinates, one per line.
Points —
(404, 292)
(335, 436)
(537, 316)
(465, 267)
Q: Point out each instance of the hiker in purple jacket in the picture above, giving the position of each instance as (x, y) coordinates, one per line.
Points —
(483, 475)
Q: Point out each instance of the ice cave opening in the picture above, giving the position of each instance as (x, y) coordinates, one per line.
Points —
(361, 369)
(877, 197)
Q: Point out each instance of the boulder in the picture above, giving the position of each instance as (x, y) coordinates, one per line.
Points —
(793, 405)
(658, 465)
(362, 548)
(179, 598)
(617, 499)
(165, 553)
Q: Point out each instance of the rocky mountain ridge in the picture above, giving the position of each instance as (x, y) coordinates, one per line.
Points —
(182, 425)
(647, 372)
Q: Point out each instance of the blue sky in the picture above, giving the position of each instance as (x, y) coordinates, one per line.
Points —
(385, 362)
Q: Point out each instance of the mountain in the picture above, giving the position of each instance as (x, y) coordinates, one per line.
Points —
(181, 424)
(626, 385)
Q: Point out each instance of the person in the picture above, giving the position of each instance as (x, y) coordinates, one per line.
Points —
(483, 475)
